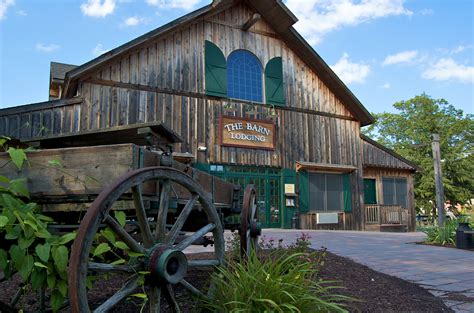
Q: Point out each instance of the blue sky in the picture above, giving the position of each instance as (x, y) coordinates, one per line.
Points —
(384, 50)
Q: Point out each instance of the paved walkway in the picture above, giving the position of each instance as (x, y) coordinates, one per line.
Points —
(445, 272)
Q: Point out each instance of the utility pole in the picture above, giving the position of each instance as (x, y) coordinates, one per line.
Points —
(438, 179)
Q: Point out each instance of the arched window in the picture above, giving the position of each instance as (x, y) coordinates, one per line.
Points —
(244, 76)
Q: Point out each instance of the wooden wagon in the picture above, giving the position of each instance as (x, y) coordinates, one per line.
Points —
(82, 183)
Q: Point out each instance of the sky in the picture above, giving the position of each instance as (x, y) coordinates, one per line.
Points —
(384, 50)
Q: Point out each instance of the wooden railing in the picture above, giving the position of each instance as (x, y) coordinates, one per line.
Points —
(385, 214)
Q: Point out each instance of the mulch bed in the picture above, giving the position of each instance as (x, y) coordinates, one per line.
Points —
(375, 291)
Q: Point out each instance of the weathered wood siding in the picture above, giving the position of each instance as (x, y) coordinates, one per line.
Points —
(374, 156)
(41, 119)
(378, 173)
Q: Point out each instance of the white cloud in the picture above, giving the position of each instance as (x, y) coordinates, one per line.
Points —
(21, 13)
(133, 21)
(47, 48)
(99, 49)
(401, 57)
(350, 72)
(386, 86)
(427, 12)
(460, 49)
(174, 4)
(98, 8)
(319, 17)
(4, 4)
(447, 69)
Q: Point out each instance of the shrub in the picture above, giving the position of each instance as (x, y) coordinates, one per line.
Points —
(278, 283)
(442, 235)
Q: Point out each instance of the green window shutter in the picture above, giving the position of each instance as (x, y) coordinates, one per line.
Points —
(347, 193)
(216, 71)
(303, 188)
(369, 191)
(274, 82)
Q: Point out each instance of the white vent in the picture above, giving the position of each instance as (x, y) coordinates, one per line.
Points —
(326, 218)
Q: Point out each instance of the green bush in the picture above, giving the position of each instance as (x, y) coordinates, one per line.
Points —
(442, 235)
(276, 283)
(29, 248)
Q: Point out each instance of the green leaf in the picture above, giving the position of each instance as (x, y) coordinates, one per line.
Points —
(3, 259)
(19, 187)
(109, 235)
(62, 286)
(60, 257)
(43, 233)
(39, 264)
(4, 179)
(117, 262)
(134, 254)
(3, 220)
(26, 267)
(57, 300)
(51, 280)
(121, 245)
(18, 156)
(139, 295)
(24, 243)
(43, 251)
(18, 255)
(101, 249)
(121, 217)
(38, 278)
(67, 238)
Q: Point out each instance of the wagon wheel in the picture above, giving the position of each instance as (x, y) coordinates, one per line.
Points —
(250, 228)
(161, 258)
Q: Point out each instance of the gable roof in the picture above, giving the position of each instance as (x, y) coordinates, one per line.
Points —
(58, 71)
(276, 14)
(377, 155)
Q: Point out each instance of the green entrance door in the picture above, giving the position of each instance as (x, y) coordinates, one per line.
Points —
(369, 191)
(267, 184)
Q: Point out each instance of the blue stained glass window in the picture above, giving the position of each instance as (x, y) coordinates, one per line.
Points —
(244, 76)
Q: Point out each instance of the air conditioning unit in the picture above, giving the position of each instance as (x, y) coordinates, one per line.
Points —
(327, 218)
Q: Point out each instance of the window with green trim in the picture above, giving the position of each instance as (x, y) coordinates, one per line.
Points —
(326, 192)
(395, 191)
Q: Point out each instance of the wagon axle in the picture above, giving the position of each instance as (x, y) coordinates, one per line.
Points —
(166, 264)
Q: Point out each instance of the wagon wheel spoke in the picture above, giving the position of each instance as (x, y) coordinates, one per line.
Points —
(118, 229)
(193, 290)
(197, 235)
(178, 225)
(160, 230)
(155, 299)
(201, 263)
(141, 216)
(104, 267)
(126, 290)
(169, 295)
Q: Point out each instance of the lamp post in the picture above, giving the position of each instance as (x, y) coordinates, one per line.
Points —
(438, 176)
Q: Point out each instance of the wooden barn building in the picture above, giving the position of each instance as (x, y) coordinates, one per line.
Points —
(253, 102)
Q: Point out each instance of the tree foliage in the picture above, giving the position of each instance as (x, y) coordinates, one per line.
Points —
(409, 133)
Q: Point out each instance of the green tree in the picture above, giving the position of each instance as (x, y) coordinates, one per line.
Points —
(409, 133)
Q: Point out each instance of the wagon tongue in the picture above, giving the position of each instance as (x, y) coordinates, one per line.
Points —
(166, 264)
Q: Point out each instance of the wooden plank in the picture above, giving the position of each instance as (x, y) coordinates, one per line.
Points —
(77, 176)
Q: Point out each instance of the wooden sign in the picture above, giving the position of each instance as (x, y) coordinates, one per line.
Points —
(247, 133)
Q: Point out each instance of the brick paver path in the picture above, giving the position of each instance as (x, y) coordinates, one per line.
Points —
(447, 273)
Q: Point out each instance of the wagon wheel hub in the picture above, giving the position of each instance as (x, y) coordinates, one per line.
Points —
(166, 264)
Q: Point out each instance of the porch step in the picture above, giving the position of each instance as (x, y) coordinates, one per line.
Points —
(394, 228)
